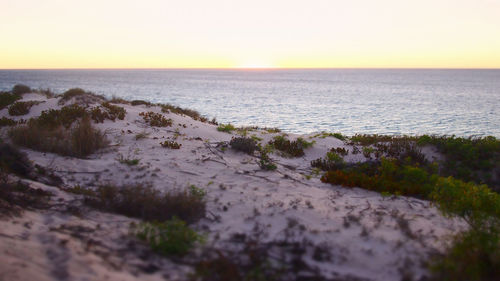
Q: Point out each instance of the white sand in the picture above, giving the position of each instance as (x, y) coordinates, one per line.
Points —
(53, 244)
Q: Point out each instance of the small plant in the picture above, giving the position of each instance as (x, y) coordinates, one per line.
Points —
(247, 145)
(115, 111)
(332, 161)
(21, 107)
(367, 151)
(172, 237)
(291, 148)
(197, 192)
(265, 162)
(4, 121)
(156, 119)
(141, 136)
(128, 161)
(171, 144)
(20, 89)
(228, 128)
(107, 111)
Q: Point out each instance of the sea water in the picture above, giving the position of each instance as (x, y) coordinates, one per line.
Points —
(350, 101)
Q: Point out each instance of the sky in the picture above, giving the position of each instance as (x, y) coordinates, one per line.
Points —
(250, 33)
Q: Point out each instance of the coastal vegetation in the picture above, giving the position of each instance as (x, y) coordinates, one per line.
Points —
(456, 185)
(462, 181)
(21, 108)
(156, 119)
(227, 128)
(290, 148)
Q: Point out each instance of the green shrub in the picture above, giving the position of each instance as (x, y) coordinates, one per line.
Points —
(332, 161)
(20, 89)
(469, 159)
(291, 148)
(144, 202)
(128, 161)
(65, 116)
(156, 119)
(473, 202)
(21, 107)
(473, 256)
(109, 112)
(172, 237)
(265, 162)
(228, 128)
(4, 121)
(171, 144)
(247, 145)
(7, 99)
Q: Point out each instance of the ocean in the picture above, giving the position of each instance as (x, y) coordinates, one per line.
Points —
(349, 101)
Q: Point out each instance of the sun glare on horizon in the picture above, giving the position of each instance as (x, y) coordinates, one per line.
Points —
(256, 65)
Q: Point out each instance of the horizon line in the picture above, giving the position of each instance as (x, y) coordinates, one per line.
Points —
(257, 68)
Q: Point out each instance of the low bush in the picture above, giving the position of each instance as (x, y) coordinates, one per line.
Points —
(227, 128)
(20, 89)
(65, 116)
(385, 176)
(107, 111)
(4, 121)
(21, 107)
(144, 202)
(81, 95)
(7, 99)
(171, 144)
(171, 237)
(80, 141)
(469, 159)
(473, 256)
(290, 148)
(332, 161)
(247, 145)
(85, 140)
(156, 119)
(265, 162)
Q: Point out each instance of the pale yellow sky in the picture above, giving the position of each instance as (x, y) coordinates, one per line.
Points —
(256, 33)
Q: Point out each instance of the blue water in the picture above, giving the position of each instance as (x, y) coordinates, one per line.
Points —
(460, 102)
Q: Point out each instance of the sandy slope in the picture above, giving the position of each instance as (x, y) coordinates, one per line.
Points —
(368, 236)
